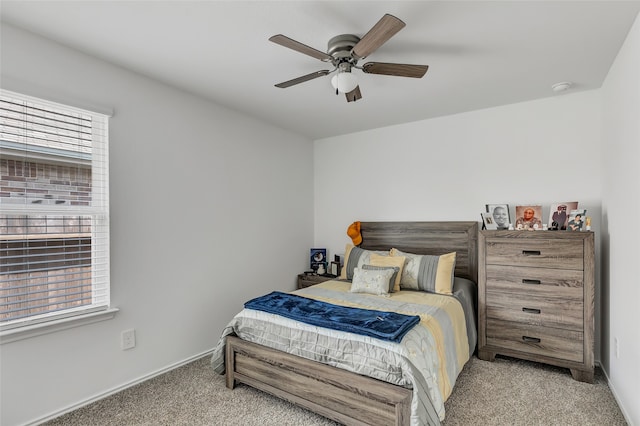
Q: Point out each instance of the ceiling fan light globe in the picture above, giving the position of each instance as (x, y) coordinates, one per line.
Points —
(345, 82)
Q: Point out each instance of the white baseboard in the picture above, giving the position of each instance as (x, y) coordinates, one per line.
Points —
(117, 389)
(626, 415)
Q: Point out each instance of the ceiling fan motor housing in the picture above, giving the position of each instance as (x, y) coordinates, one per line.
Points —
(340, 46)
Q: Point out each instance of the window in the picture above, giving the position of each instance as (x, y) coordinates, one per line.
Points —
(54, 218)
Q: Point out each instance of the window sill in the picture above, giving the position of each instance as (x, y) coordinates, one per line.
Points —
(27, 332)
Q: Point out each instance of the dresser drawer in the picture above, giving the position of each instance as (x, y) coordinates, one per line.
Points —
(538, 280)
(534, 252)
(524, 307)
(544, 341)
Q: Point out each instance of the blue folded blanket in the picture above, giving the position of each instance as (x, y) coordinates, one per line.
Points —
(379, 324)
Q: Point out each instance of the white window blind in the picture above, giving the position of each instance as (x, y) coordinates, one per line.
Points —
(54, 218)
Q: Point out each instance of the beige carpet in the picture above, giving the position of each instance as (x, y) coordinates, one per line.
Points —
(504, 392)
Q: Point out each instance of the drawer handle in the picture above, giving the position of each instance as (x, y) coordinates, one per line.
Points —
(531, 252)
(526, 281)
(531, 310)
(530, 339)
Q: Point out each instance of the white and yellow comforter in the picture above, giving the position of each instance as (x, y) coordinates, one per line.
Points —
(428, 360)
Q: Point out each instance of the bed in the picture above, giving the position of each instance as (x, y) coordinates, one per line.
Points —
(358, 380)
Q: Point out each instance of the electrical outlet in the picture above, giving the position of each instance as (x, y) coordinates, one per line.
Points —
(616, 347)
(128, 339)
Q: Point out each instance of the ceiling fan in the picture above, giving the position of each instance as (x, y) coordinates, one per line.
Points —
(345, 50)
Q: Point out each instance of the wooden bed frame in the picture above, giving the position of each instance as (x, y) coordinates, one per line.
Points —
(337, 394)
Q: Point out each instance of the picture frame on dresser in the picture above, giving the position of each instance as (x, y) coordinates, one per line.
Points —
(576, 219)
(500, 215)
(559, 214)
(487, 221)
(528, 217)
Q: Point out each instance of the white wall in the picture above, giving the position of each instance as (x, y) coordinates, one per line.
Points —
(205, 204)
(621, 202)
(448, 168)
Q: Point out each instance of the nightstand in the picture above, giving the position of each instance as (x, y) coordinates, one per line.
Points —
(536, 298)
(309, 280)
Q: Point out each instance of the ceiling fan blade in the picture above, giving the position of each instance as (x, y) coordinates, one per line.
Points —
(302, 79)
(399, 70)
(354, 95)
(299, 47)
(382, 31)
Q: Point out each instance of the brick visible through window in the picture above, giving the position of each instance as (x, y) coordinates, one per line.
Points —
(54, 226)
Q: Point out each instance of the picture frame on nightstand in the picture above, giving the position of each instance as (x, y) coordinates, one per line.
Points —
(317, 257)
(334, 269)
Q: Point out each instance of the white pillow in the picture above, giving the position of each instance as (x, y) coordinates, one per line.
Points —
(392, 281)
(371, 281)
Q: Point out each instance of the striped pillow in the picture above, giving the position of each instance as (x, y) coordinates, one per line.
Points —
(356, 257)
(433, 274)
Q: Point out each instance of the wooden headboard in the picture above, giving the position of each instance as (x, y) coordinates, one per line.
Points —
(434, 238)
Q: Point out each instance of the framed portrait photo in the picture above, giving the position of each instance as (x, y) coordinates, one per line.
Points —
(500, 215)
(559, 214)
(528, 217)
(576, 220)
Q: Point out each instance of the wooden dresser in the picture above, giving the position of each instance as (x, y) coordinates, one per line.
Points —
(536, 298)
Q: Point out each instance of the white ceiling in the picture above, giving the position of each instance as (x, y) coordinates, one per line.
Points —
(480, 53)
